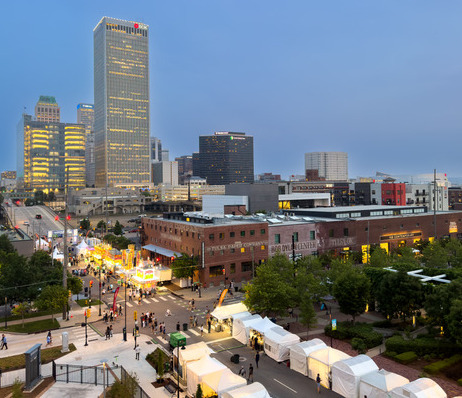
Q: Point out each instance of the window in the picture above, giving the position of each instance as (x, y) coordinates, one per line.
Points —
(331, 233)
(232, 268)
(246, 266)
(221, 235)
(252, 232)
(216, 270)
(211, 253)
(312, 235)
(242, 249)
(231, 234)
(277, 238)
(345, 231)
(295, 235)
(232, 250)
(222, 252)
(263, 231)
(242, 233)
(192, 234)
(211, 237)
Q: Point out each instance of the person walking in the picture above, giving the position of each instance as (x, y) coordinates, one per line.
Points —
(257, 358)
(242, 372)
(110, 331)
(4, 342)
(137, 352)
(330, 380)
(202, 331)
(318, 383)
(250, 373)
(178, 326)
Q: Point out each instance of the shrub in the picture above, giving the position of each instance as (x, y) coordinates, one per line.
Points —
(390, 354)
(438, 366)
(382, 324)
(422, 346)
(346, 331)
(459, 382)
(358, 345)
(406, 357)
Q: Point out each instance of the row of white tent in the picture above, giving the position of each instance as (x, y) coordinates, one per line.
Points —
(198, 367)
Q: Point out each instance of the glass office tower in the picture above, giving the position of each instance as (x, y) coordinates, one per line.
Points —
(121, 83)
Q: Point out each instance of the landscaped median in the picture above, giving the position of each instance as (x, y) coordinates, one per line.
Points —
(42, 325)
(85, 303)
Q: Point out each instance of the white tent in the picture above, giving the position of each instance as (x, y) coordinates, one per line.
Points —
(378, 384)
(321, 361)
(82, 247)
(254, 390)
(299, 354)
(278, 342)
(57, 255)
(226, 311)
(241, 327)
(420, 388)
(346, 374)
(197, 370)
(263, 325)
(42, 244)
(220, 382)
(191, 353)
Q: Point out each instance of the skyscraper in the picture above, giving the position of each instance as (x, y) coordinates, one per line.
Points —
(86, 116)
(121, 82)
(47, 109)
(331, 166)
(226, 158)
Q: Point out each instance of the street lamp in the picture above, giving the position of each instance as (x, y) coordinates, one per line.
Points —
(99, 313)
(125, 310)
(178, 367)
(6, 324)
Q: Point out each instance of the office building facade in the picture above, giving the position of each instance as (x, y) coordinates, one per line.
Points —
(226, 158)
(330, 166)
(121, 84)
(47, 109)
(86, 116)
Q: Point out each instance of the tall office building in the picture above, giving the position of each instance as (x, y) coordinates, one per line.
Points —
(121, 82)
(226, 158)
(47, 109)
(331, 166)
(86, 116)
(185, 168)
(156, 149)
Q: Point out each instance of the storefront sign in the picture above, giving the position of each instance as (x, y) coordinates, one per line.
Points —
(453, 227)
(342, 242)
(237, 245)
(401, 236)
(297, 246)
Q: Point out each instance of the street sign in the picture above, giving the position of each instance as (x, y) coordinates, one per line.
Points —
(334, 324)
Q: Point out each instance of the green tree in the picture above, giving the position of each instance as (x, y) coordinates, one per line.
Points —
(85, 224)
(5, 244)
(352, 289)
(404, 258)
(21, 310)
(435, 255)
(379, 258)
(454, 321)
(51, 197)
(53, 298)
(199, 393)
(117, 228)
(43, 269)
(101, 226)
(124, 388)
(1, 198)
(17, 389)
(338, 267)
(39, 197)
(29, 202)
(454, 252)
(74, 284)
(307, 313)
(185, 266)
(310, 283)
(15, 273)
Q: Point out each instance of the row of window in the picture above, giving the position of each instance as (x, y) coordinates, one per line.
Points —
(277, 237)
(232, 234)
(232, 251)
(218, 270)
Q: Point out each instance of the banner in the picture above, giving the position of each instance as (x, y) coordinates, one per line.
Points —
(222, 297)
(114, 308)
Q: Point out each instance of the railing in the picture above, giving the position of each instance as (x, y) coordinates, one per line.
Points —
(139, 392)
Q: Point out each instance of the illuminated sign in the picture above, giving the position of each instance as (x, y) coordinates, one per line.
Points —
(453, 227)
(401, 236)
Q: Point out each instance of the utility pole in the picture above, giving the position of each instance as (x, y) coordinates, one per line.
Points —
(66, 254)
(434, 202)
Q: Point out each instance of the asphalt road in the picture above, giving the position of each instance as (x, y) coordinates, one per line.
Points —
(25, 215)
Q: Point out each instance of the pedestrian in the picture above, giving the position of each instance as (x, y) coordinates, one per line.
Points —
(195, 321)
(209, 326)
(250, 373)
(111, 317)
(242, 372)
(202, 331)
(139, 300)
(178, 326)
(163, 329)
(48, 339)
(318, 383)
(257, 358)
(191, 320)
(137, 352)
(120, 309)
(110, 331)
(4, 342)
(193, 304)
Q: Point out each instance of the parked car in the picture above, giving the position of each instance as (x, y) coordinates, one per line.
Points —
(38, 216)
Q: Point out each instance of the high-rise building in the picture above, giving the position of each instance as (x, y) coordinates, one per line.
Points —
(165, 172)
(226, 158)
(331, 166)
(47, 109)
(185, 168)
(121, 83)
(156, 149)
(47, 151)
(86, 116)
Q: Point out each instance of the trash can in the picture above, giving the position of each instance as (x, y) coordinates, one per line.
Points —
(236, 289)
(235, 358)
(125, 334)
(185, 327)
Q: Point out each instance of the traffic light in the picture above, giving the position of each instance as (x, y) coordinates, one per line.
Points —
(68, 217)
(91, 283)
(88, 312)
(157, 259)
(172, 258)
(224, 271)
(57, 218)
(70, 293)
(135, 315)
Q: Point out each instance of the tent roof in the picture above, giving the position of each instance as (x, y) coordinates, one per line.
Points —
(263, 325)
(357, 366)
(254, 390)
(194, 352)
(384, 380)
(241, 315)
(424, 388)
(250, 320)
(306, 347)
(280, 335)
(328, 355)
(227, 311)
(205, 366)
(224, 381)
(82, 245)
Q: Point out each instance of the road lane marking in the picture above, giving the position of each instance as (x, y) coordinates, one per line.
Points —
(194, 332)
(129, 305)
(163, 298)
(155, 300)
(285, 386)
(171, 297)
(146, 301)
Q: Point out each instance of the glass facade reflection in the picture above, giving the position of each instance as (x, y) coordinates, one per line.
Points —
(121, 83)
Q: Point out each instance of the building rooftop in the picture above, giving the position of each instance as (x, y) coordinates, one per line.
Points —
(47, 99)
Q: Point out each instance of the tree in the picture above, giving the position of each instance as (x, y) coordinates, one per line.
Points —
(454, 321)
(101, 225)
(39, 197)
(29, 202)
(21, 309)
(117, 228)
(51, 196)
(125, 388)
(307, 313)
(338, 267)
(454, 252)
(74, 284)
(404, 257)
(5, 244)
(435, 255)
(85, 224)
(15, 272)
(53, 298)
(199, 393)
(379, 258)
(310, 284)
(185, 266)
(352, 289)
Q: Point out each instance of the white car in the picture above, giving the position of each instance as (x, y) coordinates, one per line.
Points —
(26, 223)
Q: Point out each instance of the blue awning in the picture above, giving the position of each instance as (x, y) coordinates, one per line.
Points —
(161, 251)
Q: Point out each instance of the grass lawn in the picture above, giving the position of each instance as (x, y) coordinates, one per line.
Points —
(19, 361)
(29, 315)
(33, 327)
(84, 302)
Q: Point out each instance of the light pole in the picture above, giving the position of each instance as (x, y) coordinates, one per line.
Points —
(99, 312)
(6, 322)
(125, 310)
(178, 368)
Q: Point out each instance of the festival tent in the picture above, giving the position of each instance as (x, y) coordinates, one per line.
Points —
(378, 384)
(346, 374)
(82, 247)
(299, 354)
(420, 388)
(227, 311)
(218, 383)
(241, 327)
(321, 361)
(191, 353)
(254, 390)
(197, 370)
(278, 342)
(57, 255)
(263, 325)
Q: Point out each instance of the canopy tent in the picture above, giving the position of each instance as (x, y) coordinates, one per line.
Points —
(254, 390)
(321, 361)
(42, 244)
(82, 247)
(346, 374)
(218, 383)
(299, 354)
(57, 255)
(378, 384)
(278, 342)
(263, 325)
(191, 353)
(420, 388)
(241, 327)
(197, 370)
(227, 311)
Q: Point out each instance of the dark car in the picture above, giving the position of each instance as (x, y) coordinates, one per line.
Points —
(38, 216)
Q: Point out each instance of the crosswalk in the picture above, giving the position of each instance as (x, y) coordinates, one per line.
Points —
(165, 338)
(78, 334)
(150, 300)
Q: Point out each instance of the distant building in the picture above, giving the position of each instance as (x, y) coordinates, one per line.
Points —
(165, 172)
(393, 193)
(165, 156)
(47, 110)
(423, 195)
(269, 177)
(261, 197)
(332, 166)
(8, 175)
(226, 158)
(86, 116)
(121, 85)
(185, 168)
(156, 149)
(193, 191)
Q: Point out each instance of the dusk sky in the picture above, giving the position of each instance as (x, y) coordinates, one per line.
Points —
(381, 80)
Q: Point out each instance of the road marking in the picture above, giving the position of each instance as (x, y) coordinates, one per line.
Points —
(163, 298)
(129, 305)
(171, 297)
(155, 300)
(146, 301)
(217, 340)
(162, 339)
(194, 332)
(276, 380)
(185, 335)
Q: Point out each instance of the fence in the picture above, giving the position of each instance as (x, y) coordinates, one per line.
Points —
(139, 392)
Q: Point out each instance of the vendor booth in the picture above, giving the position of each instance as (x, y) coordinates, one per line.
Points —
(346, 374)
(257, 332)
(278, 342)
(144, 278)
(254, 390)
(223, 316)
(218, 383)
(241, 327)
(191, 353)
(420, 388)
(321, 361)
(82, 248)
(198, 370)
(379, 384)
(299, 354)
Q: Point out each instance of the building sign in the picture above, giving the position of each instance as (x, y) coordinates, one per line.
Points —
(453, 227)
(170, 237)
(342, 242)
(310, 245)
(401, 236)
(238, 245)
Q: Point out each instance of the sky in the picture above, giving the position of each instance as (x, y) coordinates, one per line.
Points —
(380, 80)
